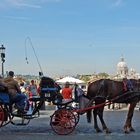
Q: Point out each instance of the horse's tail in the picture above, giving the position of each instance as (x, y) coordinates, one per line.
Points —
(89, 116)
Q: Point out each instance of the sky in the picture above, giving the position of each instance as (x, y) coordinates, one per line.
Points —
(69, 37)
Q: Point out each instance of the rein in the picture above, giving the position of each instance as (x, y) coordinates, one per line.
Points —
(114, 88)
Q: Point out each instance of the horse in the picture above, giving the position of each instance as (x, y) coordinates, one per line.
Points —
(104, 90)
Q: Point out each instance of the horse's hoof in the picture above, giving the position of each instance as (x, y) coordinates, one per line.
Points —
(132, 129)
(107, 131)
(98, 130)
(126, 131)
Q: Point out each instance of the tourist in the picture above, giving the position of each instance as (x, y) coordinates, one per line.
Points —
(66, 92)
(33, 88)
(22, 87)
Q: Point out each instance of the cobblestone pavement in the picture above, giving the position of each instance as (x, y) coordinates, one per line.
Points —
(39, 128)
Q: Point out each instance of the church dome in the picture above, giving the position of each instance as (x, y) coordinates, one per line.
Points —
(122, 64)
(122, 69)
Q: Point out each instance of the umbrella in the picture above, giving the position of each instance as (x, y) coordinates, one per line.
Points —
(71, 80)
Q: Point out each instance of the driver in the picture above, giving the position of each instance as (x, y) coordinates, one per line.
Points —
(16, 95)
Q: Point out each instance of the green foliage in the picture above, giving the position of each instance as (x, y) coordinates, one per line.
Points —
(103, 75)
(85, 78)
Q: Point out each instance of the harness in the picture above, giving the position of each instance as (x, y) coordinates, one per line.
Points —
(127, 85)
(101, 88)
(100, 91)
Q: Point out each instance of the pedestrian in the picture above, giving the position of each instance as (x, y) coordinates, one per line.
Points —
(22, 87)
(66, 92)
(33, 88)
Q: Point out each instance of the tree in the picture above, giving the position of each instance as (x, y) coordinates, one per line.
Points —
(103, 75)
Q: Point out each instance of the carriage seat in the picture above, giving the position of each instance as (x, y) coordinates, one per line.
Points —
(64, 103)
(47, 85)
(34, 98)
(4, 98)
(48, 89)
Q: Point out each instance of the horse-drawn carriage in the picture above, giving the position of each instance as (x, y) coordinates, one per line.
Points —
(65, 118)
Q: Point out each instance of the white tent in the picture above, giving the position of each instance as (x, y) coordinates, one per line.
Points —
(71, 80)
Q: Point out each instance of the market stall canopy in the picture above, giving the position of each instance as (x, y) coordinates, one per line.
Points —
(71, 80)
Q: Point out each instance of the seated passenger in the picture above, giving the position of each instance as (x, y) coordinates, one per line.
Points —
(15, 93)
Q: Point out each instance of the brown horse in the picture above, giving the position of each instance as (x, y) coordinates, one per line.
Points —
(106, 89)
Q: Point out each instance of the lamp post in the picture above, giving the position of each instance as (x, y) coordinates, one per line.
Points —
(2, 52)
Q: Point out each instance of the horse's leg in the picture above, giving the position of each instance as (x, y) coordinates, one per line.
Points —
(130, 118)
(95, 121)
(100, 114)
(128, 123)
(89, 116)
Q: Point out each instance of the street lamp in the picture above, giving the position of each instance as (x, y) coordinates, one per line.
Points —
(2, 52)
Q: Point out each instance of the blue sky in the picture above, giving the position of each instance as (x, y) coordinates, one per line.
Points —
(70, 36)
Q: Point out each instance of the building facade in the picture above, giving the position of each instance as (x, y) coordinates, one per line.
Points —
(124, 71)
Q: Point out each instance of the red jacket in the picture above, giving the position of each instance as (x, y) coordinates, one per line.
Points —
(66, 93)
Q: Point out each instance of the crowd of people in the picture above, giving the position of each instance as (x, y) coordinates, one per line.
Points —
(18, 92)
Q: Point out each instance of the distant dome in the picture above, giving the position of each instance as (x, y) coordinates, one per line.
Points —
(122, 69)
(122, 64)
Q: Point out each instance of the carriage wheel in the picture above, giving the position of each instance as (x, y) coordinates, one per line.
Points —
(77, 116)
(6, 115)
(63, 122)
(1, 116)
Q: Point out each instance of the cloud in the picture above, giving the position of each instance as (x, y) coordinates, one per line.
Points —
(22, 3)
(19, 4)
(50, 0)
(25, 3)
